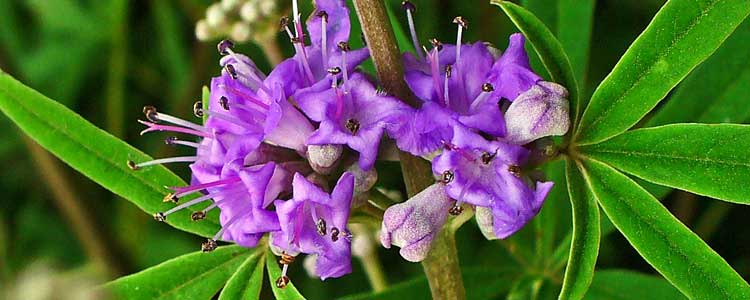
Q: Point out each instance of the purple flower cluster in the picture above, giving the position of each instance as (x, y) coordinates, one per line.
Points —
(272, 144)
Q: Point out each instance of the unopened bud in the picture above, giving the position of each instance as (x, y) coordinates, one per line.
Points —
(323, 158)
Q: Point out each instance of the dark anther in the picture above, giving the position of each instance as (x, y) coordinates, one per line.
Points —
(487, 87)
(461, 21)
(344, 46)
(286, 259)
(448, 70)
(323, 15)
(487, 157)
(295, 40)
(515, 170)
(160, 216)
(150, 113)
(198, 109)
(335, 234)
(283, 23)
(170, 140)
(132, 165)
(321, 226)
(282, 282)
(198, 215)
(209, 245)
(407, 5)
(447, 176)
(436, 44)
(223, 46)
(334, 70)
(352, 125)
(230, 69)
(456, 210)
(224, 102)
(170, 198)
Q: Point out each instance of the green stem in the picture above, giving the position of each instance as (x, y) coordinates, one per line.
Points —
(441, 265)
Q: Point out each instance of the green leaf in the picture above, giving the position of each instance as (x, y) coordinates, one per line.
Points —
(205, 99)
(665, 243)
(548, 48)
(681, 35)
(274, 272)
(715, 92)
(526, 288)
(705, 159)
(193, 276)
(95, 153)
(247, 281)
(554, 220)
(626, 285)
(586, 234)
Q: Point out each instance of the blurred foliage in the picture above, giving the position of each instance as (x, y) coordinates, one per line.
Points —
(107, 59)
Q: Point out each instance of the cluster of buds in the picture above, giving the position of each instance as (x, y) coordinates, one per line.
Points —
(236, 19)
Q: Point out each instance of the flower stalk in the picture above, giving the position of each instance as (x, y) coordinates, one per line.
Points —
(441, 266)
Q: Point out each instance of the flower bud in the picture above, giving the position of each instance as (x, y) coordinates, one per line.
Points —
(363, 180)
(539, 112)
(412, 225)
(323, 158)
(483, 216)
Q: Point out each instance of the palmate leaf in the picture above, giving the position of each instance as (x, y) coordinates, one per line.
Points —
(681, 35)
(665, 243)
(710, 160)
(95, 153)
(586, 234)
(627, 285)
(193, 276)
(247, 281)
(548, 48)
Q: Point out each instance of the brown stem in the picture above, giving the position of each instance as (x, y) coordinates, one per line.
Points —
(441, 265)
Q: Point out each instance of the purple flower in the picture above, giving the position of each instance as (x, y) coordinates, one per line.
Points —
(314, 222)
(511, 75)
(354, 114)
(412, 225)
(489, 174)
(539, 112)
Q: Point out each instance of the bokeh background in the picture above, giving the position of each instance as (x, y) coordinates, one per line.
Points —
(61, 234)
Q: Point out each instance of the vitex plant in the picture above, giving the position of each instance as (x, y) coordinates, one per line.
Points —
(284, 163)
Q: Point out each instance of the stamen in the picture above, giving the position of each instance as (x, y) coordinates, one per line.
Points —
(258, 81)
(321, 226)
(334, 71)
(224, 102)
(285, 260)
(160, 217)
(462, 24)
(446, 94)
(432, 57)
(231, 119)
(223, 46)
(157, 127)
(447, 177)
(150, 113)
(172, 140)
(166, 161)
(335, 234)
(245, 96)
(456, 210)
(198, 215)
(352, 125)
(156, 117)
(170, 198)
(410, 9)
(344, 47)
(296, 15)
(515, 170)
(132, 165)
(488, 157)
(209, 245)
(487, 87)
(186, 190)
(197, 109)
(487, 90)
(323, 36)
(232, 72)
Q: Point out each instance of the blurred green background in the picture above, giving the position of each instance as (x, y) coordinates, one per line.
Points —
(107, 59)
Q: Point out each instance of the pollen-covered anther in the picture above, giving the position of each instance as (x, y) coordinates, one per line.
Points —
(209, 245)
(160, 216)
(282, 282)
(286, 259)
(323, 15)
(198, 109)
(132, 165)
(224, 46)
(170, 140)
(448, 70)
(224, 102)
(320, 225)
(515, 170)
(456, 210)
(198, 215)
(170, 198)
(335, 234)
(283, 23)
(407, 5)
(447, 177)
(334, 71)
(231, 71)
(436, 44)
(344, 46)
(151, 113)
(461, 21)
(352, 125)
(487, 87)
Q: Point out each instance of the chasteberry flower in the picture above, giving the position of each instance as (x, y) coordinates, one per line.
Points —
(353, 114)
(314, 222)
